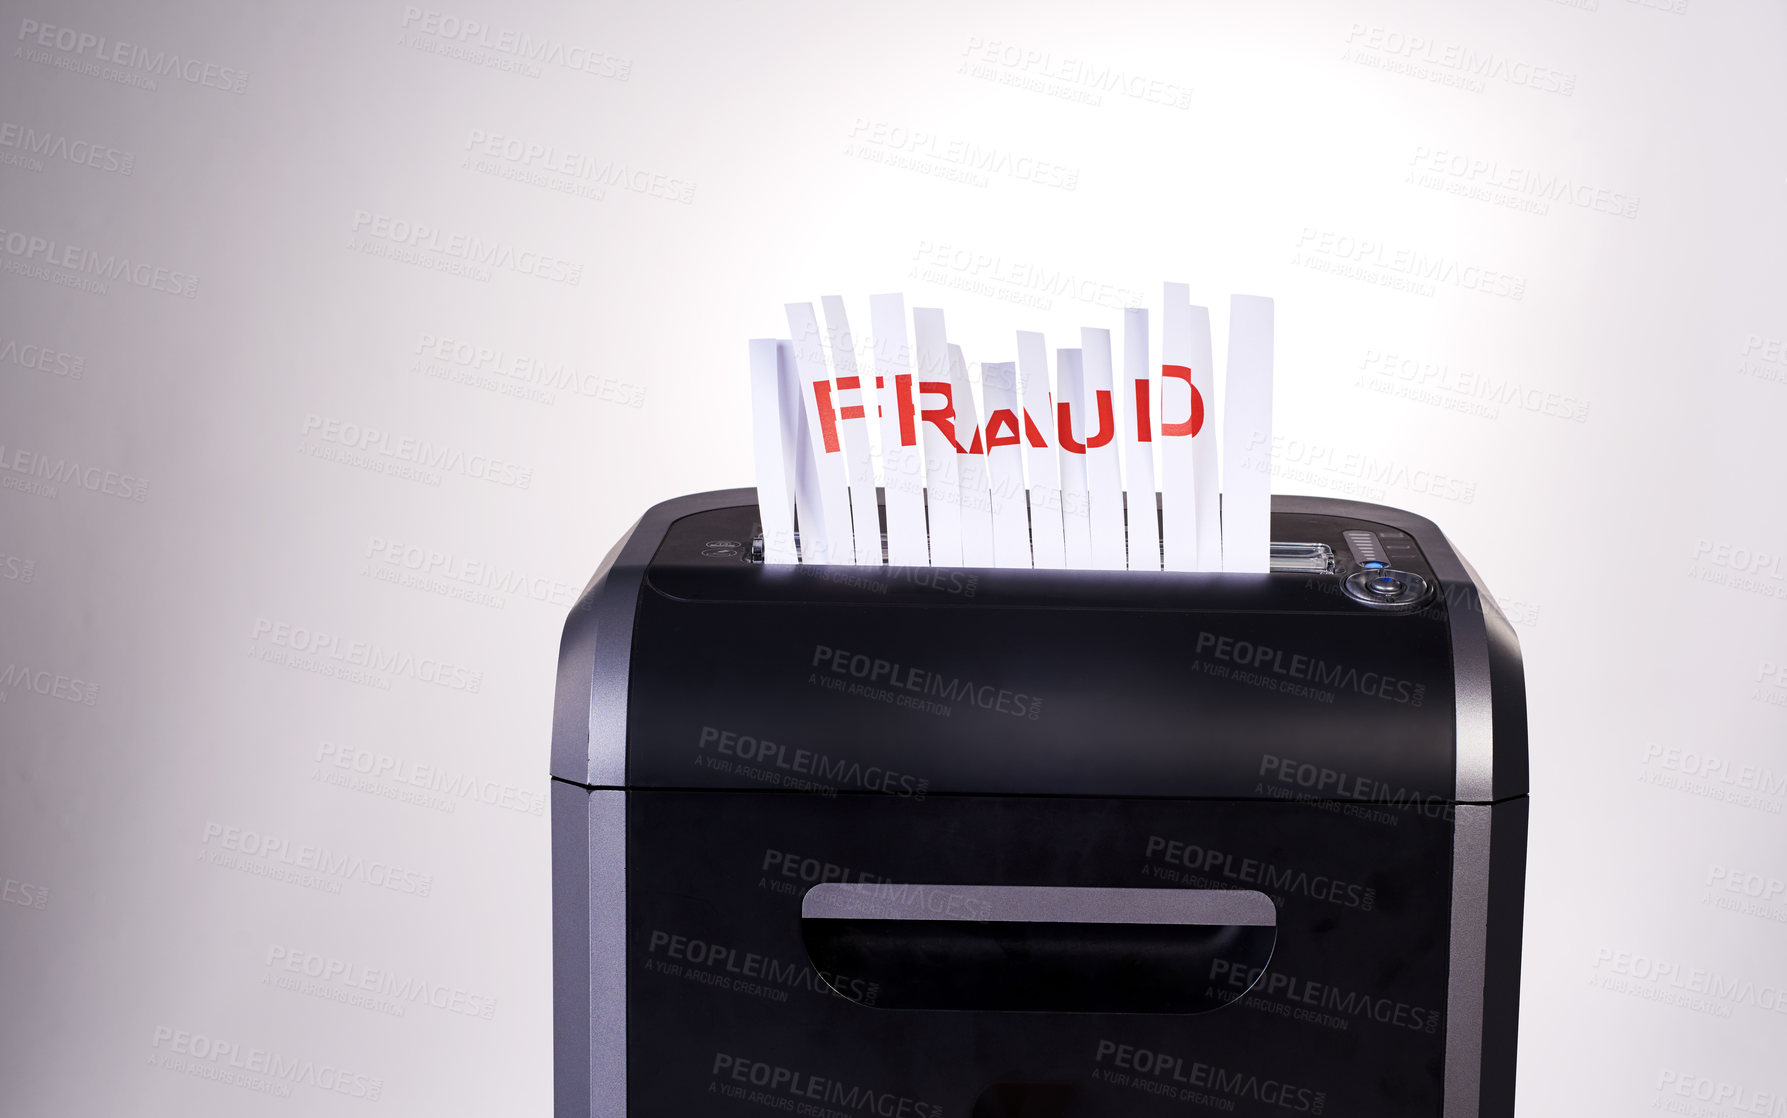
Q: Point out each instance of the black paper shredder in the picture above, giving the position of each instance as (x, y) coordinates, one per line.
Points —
(920, 842)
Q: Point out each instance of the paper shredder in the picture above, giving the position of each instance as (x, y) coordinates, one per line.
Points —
(947, 843)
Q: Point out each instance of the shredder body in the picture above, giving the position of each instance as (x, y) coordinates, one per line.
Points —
(839, 840)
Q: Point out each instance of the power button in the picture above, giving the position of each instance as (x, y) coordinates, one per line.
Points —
(1386, 588)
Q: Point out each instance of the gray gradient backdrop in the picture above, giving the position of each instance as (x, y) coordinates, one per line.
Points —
(1527, 257)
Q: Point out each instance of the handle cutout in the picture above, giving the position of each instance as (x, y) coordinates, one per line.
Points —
(1032, 948)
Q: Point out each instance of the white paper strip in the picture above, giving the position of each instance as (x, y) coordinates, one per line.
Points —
(1247, 437)
(1190, 525)
(1178, 460)
(1047, 541)
(774, 439)
(1096, 427)
(1004, 435)
(1137, 410)
(809, 508)
(971, 468)
(1076, 518)
(902, 461)
(853, 400)
(834, 544)
(936, 417)
(1204, 444)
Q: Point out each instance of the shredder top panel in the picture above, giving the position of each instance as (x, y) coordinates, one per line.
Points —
(714, 671)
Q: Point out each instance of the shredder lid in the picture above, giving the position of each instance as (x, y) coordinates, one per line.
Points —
(716, 672)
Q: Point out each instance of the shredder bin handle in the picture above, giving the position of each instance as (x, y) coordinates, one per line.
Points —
(1006, 948)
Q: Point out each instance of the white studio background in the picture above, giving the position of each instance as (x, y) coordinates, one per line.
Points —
(1588, 399)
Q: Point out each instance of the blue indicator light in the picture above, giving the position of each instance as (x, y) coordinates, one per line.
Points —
(1373, 564)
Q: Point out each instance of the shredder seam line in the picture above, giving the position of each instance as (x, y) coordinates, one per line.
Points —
(1028, 795)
